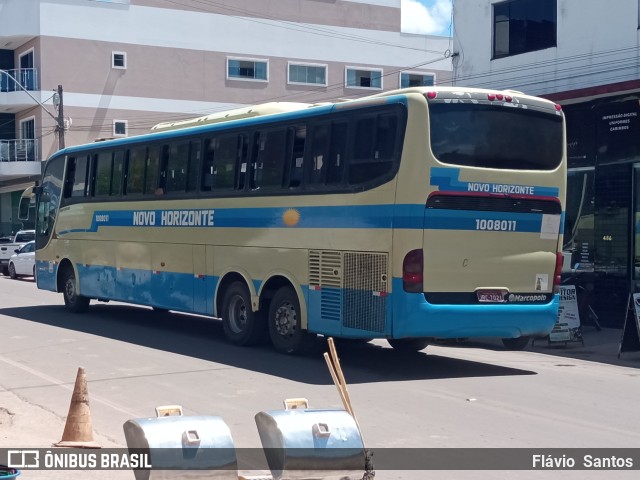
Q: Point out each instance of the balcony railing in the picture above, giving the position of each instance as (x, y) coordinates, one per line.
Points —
(18, 150)
(27, 79)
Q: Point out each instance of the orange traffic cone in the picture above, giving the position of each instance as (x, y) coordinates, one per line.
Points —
(78, 431)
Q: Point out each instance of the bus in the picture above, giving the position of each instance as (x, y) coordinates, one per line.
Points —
(412, 215)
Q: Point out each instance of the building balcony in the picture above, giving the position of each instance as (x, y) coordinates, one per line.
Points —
(19, 158)
(19, 80)
(19, 90)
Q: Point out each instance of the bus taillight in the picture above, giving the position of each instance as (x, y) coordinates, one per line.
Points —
(558, 272)
(412, 268)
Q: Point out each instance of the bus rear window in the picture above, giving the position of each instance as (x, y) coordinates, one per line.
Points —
(492, 136)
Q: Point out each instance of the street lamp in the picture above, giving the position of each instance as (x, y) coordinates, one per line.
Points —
(59, 119)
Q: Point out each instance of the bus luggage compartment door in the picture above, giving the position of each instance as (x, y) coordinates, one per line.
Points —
(473, 244)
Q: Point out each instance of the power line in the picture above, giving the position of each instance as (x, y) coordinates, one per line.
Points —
(295, 26)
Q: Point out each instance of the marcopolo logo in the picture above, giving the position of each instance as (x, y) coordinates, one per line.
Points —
(518, 297)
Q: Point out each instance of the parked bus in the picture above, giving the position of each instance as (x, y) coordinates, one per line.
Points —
(411, 215)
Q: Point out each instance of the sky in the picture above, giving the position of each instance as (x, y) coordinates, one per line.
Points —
(431, 17)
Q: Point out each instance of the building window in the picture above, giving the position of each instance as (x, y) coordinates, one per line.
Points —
(361, 78)
(521, 26)
(247, 69)
(308, 74)
(119, 128)
(416, 79)
(119, 60)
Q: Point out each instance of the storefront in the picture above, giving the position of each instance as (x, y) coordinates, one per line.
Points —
(602, 227)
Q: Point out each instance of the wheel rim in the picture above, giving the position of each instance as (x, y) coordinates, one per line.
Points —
(12, 270)
(70, 289)
(286, 320)
(237, 314)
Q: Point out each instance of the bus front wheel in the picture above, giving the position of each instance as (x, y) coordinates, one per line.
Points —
(73, 301)
(242, 326)
(285, 327)
(408, 345)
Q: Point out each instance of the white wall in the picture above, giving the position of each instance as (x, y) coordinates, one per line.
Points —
(598, 43)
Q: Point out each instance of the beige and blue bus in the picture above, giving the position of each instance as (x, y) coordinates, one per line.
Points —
(412, 215)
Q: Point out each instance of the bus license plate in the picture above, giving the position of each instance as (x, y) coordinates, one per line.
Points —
(491, 296)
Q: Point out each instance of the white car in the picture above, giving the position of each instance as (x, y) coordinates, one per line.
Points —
(23, 262)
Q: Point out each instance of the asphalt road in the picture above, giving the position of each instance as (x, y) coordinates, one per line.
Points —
(444, 397)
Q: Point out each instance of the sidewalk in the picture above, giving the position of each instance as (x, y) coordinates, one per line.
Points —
(23, 425)
(600, 346)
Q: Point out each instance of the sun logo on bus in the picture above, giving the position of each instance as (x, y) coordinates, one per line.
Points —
(291, 217)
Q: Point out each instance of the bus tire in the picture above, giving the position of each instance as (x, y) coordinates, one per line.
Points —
(12, 271)
(408, 345)
(285, 330)
(519, 343)
(242, 326)
(75, 303)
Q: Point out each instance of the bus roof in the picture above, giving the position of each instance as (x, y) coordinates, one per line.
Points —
(235, 114)
(278, 108)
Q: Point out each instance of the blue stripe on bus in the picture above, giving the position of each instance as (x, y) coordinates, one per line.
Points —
(447, 180)
(359, 217)
(412, 315)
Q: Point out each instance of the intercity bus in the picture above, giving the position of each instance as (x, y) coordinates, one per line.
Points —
(412, 215)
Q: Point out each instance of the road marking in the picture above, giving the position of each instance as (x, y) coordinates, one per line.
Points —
(60, 383)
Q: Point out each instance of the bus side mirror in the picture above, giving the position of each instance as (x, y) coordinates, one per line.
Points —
(23, 208)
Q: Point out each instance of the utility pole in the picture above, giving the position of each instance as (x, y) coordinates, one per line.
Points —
(60, 120)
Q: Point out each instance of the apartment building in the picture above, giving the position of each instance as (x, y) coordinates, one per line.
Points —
(126, 65)
(585, 55)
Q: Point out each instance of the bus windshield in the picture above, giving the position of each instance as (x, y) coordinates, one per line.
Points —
(492, 136)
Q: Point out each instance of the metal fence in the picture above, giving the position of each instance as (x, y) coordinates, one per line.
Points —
(21, 150)
(27, 79)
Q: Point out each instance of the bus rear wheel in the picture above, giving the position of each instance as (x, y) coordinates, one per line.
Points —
(74, 302)
(519, 343)
(408, 345)
(285, 327)
(242, 326)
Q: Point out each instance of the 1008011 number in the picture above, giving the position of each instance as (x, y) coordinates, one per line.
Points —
(496, 225)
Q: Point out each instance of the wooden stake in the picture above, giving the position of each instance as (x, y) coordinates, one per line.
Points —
(336, 382)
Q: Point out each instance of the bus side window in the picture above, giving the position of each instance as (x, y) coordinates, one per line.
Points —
(69, 178)
(220, 162)
(337, 153)
(374, 147)
(194, 165)
(152, 170)
(226, 161)
(104, 167)
(135, 171)
(270, 153)
(296, 144)
(118, 173)
(319, 154)
(206, 182)
(81, 177)
(243, 159)
(176, 167)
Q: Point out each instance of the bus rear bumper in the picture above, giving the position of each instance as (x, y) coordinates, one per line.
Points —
(415, 317)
